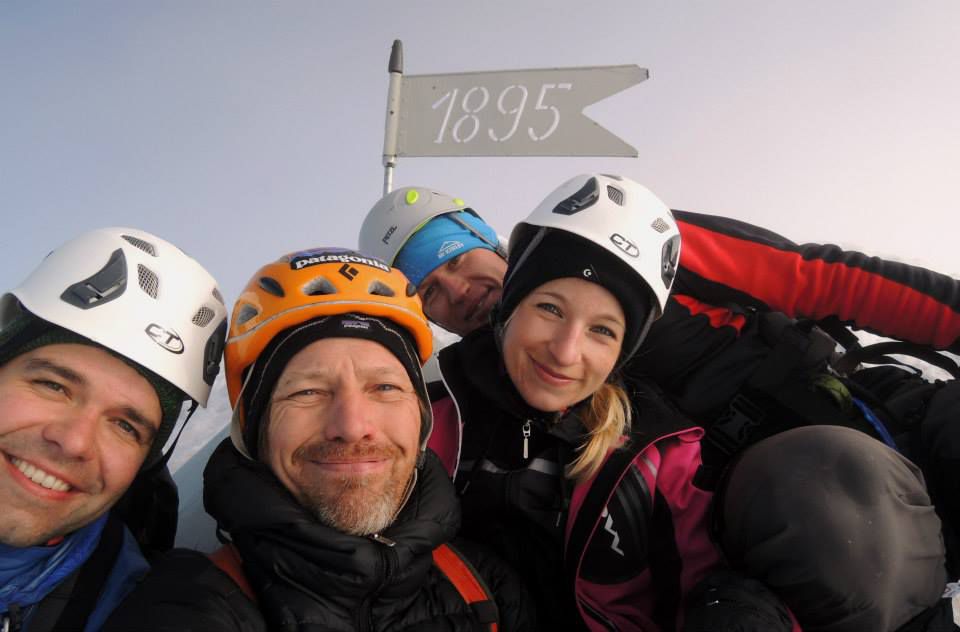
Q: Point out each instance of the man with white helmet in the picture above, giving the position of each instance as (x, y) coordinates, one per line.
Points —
(453, 257)
(99, 348)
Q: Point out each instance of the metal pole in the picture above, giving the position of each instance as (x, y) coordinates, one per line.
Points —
(392, 127)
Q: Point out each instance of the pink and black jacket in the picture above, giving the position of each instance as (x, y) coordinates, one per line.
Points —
(642, 549)
(700, 353)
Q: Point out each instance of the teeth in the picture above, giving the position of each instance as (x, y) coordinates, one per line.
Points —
(40, 477)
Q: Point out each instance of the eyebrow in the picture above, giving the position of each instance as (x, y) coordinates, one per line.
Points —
(323, 373)
(132, 414)
(42, 364)
(610, 318)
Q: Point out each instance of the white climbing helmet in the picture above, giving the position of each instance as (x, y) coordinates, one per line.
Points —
(135, 294)
(398, 215)
(619, 215)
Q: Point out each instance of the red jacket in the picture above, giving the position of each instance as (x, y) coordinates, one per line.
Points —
(707, 343)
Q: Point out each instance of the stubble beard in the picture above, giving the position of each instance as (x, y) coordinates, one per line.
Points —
(357, 504)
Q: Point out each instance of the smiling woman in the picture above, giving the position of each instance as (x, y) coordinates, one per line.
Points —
(562, 342)
(542, 407)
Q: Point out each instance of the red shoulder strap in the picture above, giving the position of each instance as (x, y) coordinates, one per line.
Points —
(468, 583)
(228, 559)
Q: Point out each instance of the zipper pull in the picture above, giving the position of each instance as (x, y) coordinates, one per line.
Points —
(526, 439)
(382, 539)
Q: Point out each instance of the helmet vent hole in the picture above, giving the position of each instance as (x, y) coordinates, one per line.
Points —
(203, 316)
(319, 286)
(379, 288)
(217, 295)
(145, 246)
(615, 195)
(246, 313)
(411, 289)
(149, 282)
(271, 286)
(660, 225)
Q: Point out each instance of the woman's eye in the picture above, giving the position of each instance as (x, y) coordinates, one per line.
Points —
(428, 293)
(453, 263)
(549, 307)
(386, 388)
(604, 331)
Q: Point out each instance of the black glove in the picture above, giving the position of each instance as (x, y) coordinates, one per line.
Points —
(726, 601)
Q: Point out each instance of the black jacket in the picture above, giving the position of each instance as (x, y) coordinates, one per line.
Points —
(310, 577)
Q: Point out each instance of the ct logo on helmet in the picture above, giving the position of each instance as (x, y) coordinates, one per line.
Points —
(166, 338)
(625, 245)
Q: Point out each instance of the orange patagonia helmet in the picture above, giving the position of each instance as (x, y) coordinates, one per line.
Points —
(308, 284)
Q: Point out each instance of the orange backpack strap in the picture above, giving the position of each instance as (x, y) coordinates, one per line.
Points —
(228, 559)
(468, 583)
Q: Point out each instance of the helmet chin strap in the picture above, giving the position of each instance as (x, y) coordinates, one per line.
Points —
(165, 457)
(648, 323)
(499, 327)
(495, 246)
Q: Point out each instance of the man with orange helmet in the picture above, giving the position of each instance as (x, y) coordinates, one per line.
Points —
(337, 513)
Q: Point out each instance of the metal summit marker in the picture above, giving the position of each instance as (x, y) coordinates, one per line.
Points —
(536, 112)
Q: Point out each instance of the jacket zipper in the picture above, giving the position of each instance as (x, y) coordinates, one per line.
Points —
(593, 612)
(526, 439)
(388, 561)
(13, 620)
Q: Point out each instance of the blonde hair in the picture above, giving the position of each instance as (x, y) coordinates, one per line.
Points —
(607, 419)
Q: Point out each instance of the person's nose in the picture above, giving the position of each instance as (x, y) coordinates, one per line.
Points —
(75, 433)
(456, 287)
(565, 345)
(350, 420)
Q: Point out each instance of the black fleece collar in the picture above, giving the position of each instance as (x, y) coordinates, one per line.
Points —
(276, 536)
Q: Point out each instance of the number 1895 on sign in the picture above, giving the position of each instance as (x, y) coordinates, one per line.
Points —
(469, 112)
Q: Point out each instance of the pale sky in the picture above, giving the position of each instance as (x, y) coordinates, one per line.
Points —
(243, 130)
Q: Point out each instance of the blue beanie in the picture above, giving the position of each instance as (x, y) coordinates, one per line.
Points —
(441, 239)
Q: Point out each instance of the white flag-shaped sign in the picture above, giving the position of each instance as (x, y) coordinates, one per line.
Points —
(511, 113)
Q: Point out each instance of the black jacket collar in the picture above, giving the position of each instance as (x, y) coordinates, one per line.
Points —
(277, 537)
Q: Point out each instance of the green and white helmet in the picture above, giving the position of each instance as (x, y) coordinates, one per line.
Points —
(398, 215)
(135, 294)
